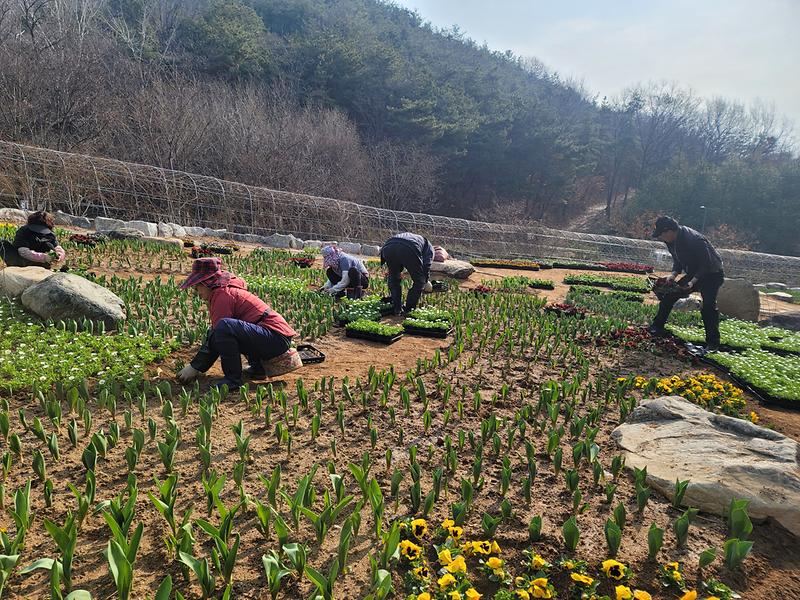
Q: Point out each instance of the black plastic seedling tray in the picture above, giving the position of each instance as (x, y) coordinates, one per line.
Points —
(423, 332)
(310, 355)
(372, 337)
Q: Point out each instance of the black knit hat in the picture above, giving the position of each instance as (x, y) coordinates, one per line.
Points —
(664, 224)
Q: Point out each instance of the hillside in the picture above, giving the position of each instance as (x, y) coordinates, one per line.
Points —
(365, 101)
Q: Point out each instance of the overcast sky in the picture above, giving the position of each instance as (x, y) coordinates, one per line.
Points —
(740, 49)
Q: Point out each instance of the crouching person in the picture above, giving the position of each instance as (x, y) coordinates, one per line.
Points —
(241, 324)
(346, 274)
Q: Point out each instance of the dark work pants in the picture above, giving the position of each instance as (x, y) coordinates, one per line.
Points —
(399, 256)
(708, 286)
(230, 339)
(356, 277)
(11, 257)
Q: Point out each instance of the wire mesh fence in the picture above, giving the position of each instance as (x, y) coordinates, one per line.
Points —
(40, 178)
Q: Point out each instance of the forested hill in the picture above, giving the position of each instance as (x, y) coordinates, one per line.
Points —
(362, 100)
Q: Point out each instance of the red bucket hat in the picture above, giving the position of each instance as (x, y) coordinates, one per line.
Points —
(203, 269)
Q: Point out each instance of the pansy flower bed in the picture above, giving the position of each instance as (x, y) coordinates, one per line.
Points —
(704, 389)
(776, 377)
(615, 282)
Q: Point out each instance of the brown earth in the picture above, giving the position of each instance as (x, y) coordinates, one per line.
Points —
(771, 572)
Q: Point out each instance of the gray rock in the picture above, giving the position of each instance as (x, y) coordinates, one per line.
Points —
(15, 280)
(216, 232)
(82, 222)
(368, 250)
(722, 457)
(794, 289)
(125, 233)
(350, 248)
(738, 298)
(789, 321)
(195, 231)
(13, 215)
(457, 269)
(760, 286)
(774, 285)
(295, 243)
(312, 244)
(781, 296)
(165, 230)
(147, 228)
(688, 304)
(277, 240)
(62, 218)
(178, 231)
(66, 296)
(104, 224)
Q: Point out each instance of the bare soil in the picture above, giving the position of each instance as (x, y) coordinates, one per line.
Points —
(772, 571)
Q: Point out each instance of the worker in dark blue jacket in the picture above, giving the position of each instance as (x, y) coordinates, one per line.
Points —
(413, 253)
(695, 257)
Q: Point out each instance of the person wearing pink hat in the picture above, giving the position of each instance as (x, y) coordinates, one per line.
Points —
(241, 323)
(346, 274)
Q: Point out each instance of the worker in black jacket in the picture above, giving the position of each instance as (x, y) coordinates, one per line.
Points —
(415, 254)
(694, 256)
(34, 245)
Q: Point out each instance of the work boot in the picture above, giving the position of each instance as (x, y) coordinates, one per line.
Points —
(254, 373)
(657, 331)
(712, 347)
(355, 293)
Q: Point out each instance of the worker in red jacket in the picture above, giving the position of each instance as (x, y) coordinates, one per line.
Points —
(241, 323)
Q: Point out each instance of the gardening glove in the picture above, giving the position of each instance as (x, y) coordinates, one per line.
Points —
(428, 287)
(187, 374)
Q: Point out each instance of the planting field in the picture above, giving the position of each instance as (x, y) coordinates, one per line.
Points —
(479, 464)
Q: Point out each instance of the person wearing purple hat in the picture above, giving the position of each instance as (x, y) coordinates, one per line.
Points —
(693, 255)
(241, 323)
(346, 274)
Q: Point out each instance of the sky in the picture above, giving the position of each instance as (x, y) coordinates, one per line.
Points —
(745, 50)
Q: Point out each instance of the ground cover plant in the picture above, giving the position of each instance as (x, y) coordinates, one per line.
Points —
(484, 467)
(615, 282)
(740, 335)
(776, 376)
(520, 283)
(624, 311)
(620, 295)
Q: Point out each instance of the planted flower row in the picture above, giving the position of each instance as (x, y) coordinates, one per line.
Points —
(615, 282)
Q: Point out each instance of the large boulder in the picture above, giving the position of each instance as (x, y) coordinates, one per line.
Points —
(688, 304)
(104, 224)
(776, 285)
(457, 269)
(277, 240)
(165, 230)
(350, 248)
(163, 241)
(147, 228)
(195, 231)
(66, 296)
(13, 215)
(15, 280)
(369, 250)
(722, 457)
(738, 298)
(125, 233)
(178, 231)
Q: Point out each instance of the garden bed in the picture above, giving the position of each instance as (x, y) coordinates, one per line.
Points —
(614, 282)
(517, 264)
